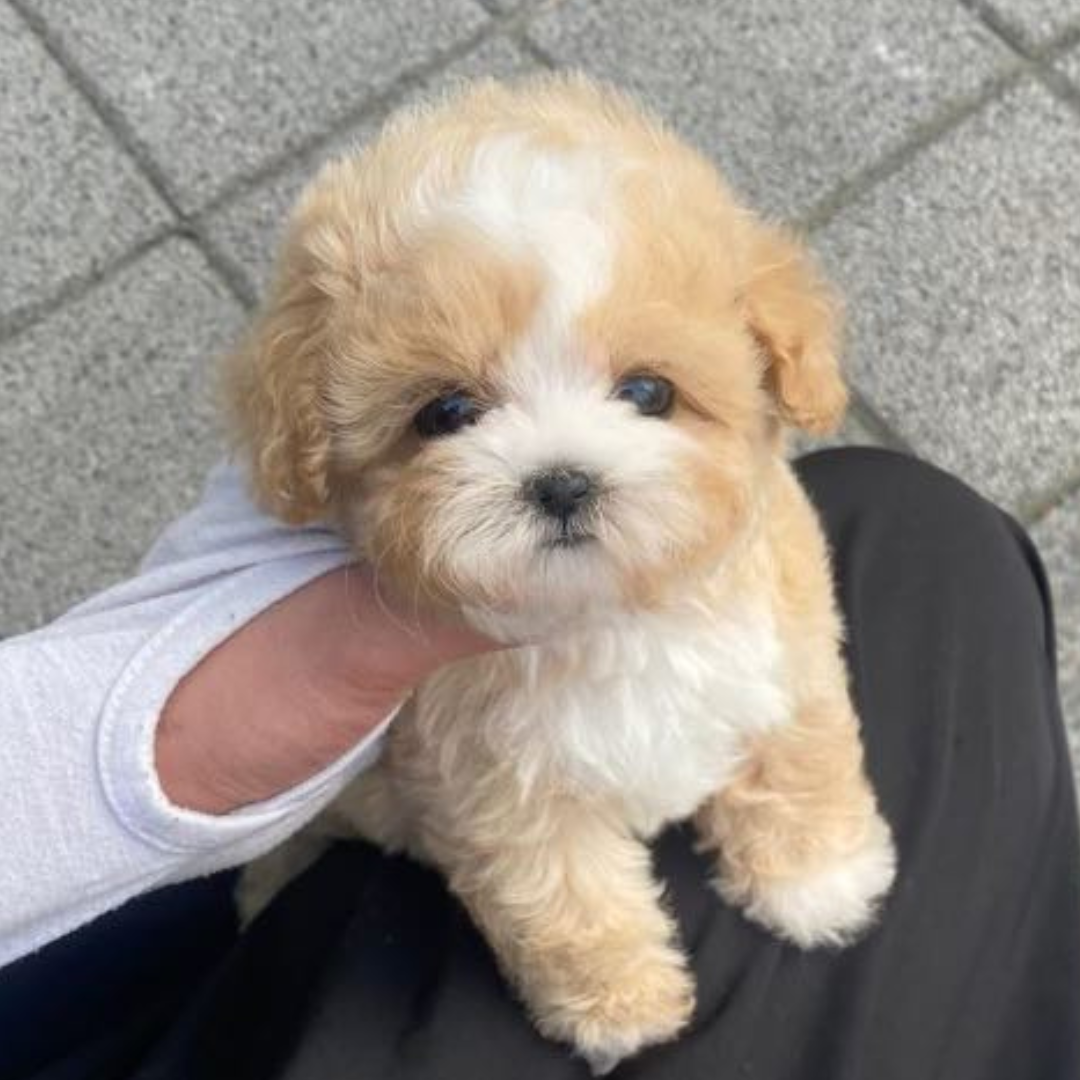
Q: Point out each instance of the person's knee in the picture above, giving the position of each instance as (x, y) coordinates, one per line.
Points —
(926, 525)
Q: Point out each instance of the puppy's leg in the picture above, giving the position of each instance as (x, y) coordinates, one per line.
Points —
(567, 899)
(802, 846)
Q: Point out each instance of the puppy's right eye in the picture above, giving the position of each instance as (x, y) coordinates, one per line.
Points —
(446, 414)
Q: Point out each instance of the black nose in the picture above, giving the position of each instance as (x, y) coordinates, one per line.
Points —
(561, 492)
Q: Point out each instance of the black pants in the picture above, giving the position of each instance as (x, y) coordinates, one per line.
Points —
(365, 968)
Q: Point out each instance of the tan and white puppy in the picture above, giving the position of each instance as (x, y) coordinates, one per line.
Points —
(529, 352)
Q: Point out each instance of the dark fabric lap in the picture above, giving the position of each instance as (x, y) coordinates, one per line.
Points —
(364, 967)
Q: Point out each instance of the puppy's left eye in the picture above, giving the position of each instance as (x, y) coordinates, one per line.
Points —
(651, 395)
(446, 414)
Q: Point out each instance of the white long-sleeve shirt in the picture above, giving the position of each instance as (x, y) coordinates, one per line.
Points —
(84, 824)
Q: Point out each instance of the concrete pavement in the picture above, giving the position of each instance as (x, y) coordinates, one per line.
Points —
(148, 153)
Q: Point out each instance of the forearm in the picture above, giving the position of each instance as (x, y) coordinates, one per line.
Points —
(284, 679)
(84, 823)
(292, 691)
(194, 716)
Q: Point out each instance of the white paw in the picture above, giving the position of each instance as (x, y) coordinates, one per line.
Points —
(832, 905)
(621, 1009)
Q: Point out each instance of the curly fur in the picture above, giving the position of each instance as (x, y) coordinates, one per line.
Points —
(531, 245)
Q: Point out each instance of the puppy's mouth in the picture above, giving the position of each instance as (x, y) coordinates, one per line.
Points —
(567, 540)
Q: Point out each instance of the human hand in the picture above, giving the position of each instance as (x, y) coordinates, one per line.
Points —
(295, 688)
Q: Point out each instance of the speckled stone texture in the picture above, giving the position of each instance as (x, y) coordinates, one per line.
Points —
(1070, 66)
(70, 201)
(247, 229)
(107, 428)
(149, 153)
(961, 275)
(790, 98)
(1034, 23)
(214, 88)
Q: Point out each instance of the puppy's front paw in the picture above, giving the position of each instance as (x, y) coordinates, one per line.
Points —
(831, 904)
(612, 1009)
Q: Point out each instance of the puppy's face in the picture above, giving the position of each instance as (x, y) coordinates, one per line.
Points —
(530, 353)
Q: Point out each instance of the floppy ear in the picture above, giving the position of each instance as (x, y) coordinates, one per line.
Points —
(795, 318)
(272, 388)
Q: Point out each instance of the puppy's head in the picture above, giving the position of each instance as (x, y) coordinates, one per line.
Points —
(531, 354)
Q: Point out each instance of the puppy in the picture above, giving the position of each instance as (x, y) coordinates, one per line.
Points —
(533, 358)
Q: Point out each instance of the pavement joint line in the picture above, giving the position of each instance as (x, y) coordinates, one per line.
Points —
(861, 409)
(528, 44)
(373, 106)
(951, 116)
(513, 25)
(537, 53)
(108, 114)
(233, 276)
(22, 319)
(116, 124)
(495, 11)
(1035, 65)
(1001, 27)
(234, 281)
(1015, 38)
(192, 224)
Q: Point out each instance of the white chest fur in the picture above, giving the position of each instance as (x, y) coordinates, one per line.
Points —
(650, 709)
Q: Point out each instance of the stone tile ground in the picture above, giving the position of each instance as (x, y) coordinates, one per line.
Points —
(106, 427)
(792, 105)
(148, 153)
(70, 199)
(246, 228)
(964, 314)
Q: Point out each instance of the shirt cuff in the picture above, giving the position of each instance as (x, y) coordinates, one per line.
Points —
(125, 740)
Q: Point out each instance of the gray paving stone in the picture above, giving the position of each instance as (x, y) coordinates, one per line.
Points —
(1037, 22)
(962, 281)
(246, 230)
(1070, 65)
(1058, 537)
(70, 202)
(107, 428)
(789, 99)
(213, 88)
